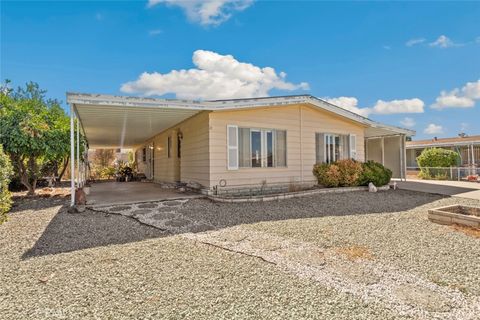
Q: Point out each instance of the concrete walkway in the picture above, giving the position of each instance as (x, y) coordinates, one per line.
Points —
(470, 190)
(108, 193)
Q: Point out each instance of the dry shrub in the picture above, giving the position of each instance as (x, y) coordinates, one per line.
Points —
(356, 252)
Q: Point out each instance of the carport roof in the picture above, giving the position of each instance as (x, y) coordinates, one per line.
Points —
(121, 121)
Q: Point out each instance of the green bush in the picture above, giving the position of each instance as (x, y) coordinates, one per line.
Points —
(343, 173)
(438, 157)
(375, 173)
(350, 173)
(6, 172)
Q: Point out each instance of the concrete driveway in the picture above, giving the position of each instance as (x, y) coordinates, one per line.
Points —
(470, 190)
(106, 193)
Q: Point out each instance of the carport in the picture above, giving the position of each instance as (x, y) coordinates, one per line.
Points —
(114, 122)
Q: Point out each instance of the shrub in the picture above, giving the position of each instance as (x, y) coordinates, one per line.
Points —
(343, 173)
(6, 172)
(328, 175)
(375, 173)
(438, 157)
(350, 172)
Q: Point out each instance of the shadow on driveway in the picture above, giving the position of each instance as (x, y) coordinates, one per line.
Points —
(70, 232)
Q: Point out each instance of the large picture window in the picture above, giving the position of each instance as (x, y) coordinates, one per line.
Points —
(260, 148)
(332, 147)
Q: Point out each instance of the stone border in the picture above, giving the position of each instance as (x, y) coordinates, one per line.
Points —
(438, 215)
(289, 195)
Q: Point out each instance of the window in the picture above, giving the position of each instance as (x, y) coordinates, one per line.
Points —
(169, 146)
(257, 148)
(333, 147)
(144, 154)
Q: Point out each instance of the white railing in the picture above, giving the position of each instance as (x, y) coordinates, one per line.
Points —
(446, 173)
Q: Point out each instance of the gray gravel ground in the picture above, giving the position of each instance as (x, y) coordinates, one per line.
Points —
(101, 266)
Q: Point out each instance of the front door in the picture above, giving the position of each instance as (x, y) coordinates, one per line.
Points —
(150, 162)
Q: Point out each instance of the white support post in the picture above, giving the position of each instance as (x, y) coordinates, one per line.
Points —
(78, 153)
(401, 157)
(72, 158)
(404, 152)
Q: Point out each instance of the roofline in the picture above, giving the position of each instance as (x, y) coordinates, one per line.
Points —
(230, 104)
(442, 144)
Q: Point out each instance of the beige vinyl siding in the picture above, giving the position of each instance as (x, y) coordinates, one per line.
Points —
(194, 162)
(289, 118)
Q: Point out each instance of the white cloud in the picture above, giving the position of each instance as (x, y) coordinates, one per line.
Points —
(443, 42)
(414, 105)
(350, 104)
(412, 42)
(206, 12)
(459, 98)
(155, 32)
(216, 76)
(408, 122)
(433, 129)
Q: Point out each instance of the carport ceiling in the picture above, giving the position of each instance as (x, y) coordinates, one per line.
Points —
(113, 126)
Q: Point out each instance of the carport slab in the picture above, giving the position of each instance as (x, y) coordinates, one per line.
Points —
(110, 193)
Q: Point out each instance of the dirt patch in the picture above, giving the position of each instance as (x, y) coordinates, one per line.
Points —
(353, 253)
(470, 231)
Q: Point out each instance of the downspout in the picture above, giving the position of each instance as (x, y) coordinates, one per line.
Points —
(383, 151)
(72, 158)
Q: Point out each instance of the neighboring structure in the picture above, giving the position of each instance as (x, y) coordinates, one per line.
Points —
(467, 146)
(231, 143)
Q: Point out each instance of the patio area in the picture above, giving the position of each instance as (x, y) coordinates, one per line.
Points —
(109, 193)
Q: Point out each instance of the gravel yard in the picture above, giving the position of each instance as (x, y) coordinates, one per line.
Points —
(343, 256)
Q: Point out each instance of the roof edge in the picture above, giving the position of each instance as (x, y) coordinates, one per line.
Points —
(230, 104)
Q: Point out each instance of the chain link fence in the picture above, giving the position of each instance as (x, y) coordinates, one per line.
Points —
(471, 173)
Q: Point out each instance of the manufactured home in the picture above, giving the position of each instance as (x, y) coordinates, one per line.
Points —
(238, 142)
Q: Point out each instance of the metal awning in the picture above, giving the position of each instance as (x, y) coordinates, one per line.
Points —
(118, 124)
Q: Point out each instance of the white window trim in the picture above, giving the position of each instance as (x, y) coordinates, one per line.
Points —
(353, 146)
(229, 147)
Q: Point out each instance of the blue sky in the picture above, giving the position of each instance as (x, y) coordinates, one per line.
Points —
(390, 61)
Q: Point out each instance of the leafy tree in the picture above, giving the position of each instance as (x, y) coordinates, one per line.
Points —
(438, 157)
(6, 172)
(35, 133)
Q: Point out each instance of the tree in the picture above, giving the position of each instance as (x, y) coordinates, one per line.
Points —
(34, 131)
(434, 161)
(6, 172)
(438, 157)
(103, 157)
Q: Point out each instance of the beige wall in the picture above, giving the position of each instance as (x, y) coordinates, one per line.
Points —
(391, 153)
(194, 161)
(300, 143)
(204, 145)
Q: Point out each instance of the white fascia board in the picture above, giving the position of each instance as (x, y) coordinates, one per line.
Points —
(218, 105)
(443, 144)
(125, 101)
